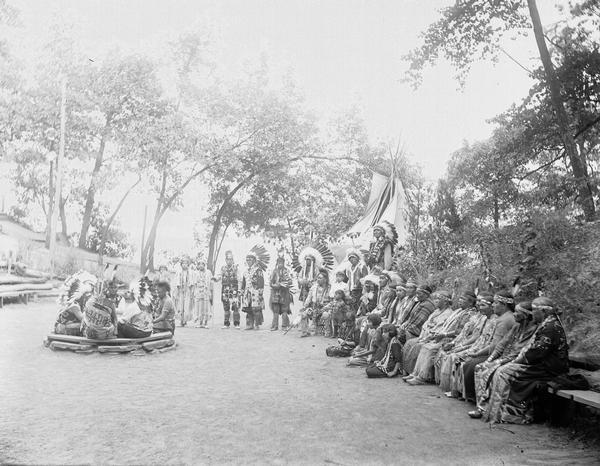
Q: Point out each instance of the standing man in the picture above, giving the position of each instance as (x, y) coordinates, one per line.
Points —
(355, 271)
(281, 297)
(253, 285)
(381, 249)
(230, 284)
(184, 283)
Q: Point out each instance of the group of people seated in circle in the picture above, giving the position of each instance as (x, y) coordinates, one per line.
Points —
(94, 309)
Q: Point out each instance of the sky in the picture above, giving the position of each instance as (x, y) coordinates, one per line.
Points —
(341, 53)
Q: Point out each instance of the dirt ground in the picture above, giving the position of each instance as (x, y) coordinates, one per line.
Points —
(236, 397)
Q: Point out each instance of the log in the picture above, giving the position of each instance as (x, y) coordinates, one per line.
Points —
(118, 349)
(168, 348)
(112, 341)
(60, 345)
(159, 344)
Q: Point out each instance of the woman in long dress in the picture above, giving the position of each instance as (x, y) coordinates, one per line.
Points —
(184, 282)
(203, 295)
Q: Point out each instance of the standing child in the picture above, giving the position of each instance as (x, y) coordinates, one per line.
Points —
(203, 295)
(338, 310)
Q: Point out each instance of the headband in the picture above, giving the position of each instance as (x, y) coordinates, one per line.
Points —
(504, 299)
(522, 309)
(542, 308)
(423, 290)
(485, 301)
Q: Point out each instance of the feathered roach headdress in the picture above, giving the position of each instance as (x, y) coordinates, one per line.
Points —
(77, 285)
(389, 231)
(142, 291)
(261, 255)
(318, 252)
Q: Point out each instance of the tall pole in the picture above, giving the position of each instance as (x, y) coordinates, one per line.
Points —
(58, 182)
(142, 258)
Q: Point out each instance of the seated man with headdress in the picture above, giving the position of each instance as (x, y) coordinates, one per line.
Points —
(308, 263)
(78, 288)
(99, 319)
(381, 249)
(314, 303)
(136, 320)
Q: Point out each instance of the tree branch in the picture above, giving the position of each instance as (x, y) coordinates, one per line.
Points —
(541, 167)
(588, 126)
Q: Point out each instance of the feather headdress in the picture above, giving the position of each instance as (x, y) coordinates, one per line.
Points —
(359, 254)
(141, 290)
(389, 231)
(319, 252)
(76, 285)
(261, 255)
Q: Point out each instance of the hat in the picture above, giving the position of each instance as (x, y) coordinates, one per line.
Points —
(424, 288)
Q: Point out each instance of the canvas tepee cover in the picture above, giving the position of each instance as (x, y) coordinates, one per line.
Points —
(387, 201)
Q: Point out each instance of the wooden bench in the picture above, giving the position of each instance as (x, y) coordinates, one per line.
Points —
(24, 291)
(585, 397)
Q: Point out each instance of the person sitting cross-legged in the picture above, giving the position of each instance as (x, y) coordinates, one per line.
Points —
(390, 365)
(371, 345)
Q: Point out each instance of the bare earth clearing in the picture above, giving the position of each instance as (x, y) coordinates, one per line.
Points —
(227, 396)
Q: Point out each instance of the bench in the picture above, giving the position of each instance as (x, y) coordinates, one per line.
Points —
(585, 397)
(24, 291)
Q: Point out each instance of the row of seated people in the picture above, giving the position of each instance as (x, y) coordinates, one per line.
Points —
(99, 314)
(489, 350)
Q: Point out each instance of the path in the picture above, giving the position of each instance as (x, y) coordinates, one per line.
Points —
(235, 396)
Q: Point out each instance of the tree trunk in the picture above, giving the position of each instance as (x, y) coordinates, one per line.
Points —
(109, 222)
(91, 193)
(219, 215)
(216, 255)
(148, 251)
(63, 221)
(50, 204)
(496, 212)
(584, 190)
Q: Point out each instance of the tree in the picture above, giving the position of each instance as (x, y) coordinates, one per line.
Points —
(484, 173)
(107, 239)
(471, 29)
(120, 90)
